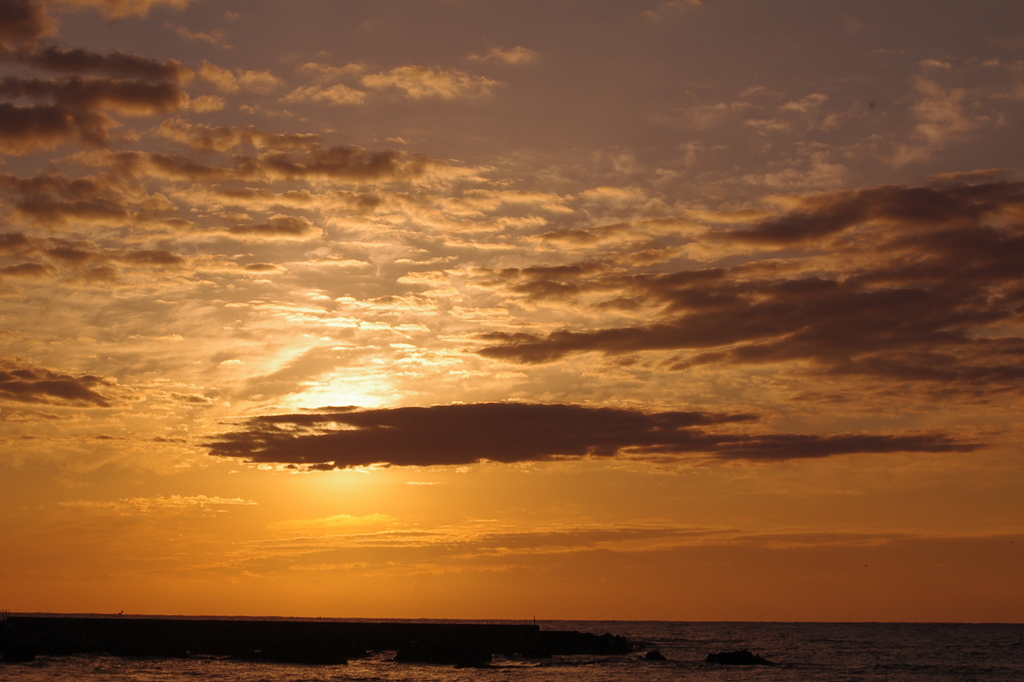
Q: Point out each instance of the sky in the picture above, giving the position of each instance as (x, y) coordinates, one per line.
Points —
(685, 310)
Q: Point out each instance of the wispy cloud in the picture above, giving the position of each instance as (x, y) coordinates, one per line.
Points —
(248, 80)
(162, 504)
(216, 37)
(421, 82)
(514, 55)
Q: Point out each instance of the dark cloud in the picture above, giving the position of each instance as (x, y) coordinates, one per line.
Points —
(75, 255)
(70, 255)
(114, 63)
(249, 196)
(552, 282)
(83, 94)
(261, 267)
(581, 236)
(27, 129)
(517, 432)
(346, 163)
(22, 23)
(55, 199)
(27, 270)
(156, 257)
(43, 386)
(349, 162)
(191, 398)
(903, 207)
(279, 227)
(46, 210)
(77, 108)
(223, 138)
(914, 292)
(12, 242)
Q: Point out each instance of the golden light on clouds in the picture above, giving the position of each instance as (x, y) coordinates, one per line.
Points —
(472, 327)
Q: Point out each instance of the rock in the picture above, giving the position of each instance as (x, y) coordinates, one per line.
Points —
(308, 654)
(654, 655)
(17, 652)
(459, 654)
(742, 657)
(568, 642)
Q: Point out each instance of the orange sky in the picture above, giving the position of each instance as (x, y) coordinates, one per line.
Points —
(465, 309)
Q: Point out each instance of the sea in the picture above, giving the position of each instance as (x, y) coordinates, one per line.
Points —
(836, 652)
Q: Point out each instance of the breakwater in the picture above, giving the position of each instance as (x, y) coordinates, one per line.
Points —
(283, 640)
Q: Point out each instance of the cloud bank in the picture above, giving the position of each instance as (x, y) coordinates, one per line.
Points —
(912, 283)
(445, 435)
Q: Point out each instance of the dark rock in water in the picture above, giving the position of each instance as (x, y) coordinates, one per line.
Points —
(460, 654)
(308, 653)
(743, 657)
(568, 642)
(17, 652)
(534, 651)
(654, 655)
(474, 664)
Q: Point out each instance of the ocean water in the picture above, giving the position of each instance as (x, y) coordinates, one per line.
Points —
(803, 651)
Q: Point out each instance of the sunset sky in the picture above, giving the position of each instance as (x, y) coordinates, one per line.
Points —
(584, 309)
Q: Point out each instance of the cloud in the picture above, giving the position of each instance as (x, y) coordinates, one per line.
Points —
(114, 63)
(162, 504)
(224, 138)
(11, 242)
(343, 163)
(420, 82)
(226, 80)
(54, 199)
(325, 72)
(338, 522)
(206, 103)
(942, 117)
(671, 8)
(445, 435)
(819, 173)
(77, 107)
(515, 55)
(26, 270)
(278, 227)
(80, 106)
(905, 208)
(22, 23)
(155, 257)
(919, 283)
(335, 94)
(118, 9)
(79, 258)
(83, 94)
(216, 37)
(805, 105)
(26, 384)
(27, 129)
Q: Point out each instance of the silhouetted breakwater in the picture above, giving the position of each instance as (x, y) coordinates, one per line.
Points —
(294, 641)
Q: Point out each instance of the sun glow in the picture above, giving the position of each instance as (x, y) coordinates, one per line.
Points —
(345, 388)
